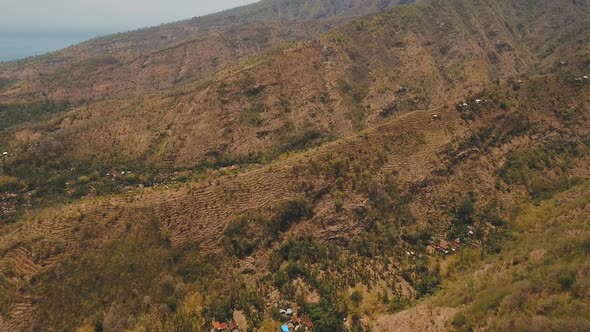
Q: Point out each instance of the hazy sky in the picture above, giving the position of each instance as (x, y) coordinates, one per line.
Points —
(105, 14)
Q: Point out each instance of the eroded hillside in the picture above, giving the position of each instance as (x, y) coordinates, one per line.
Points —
(147, 60)
(421, 56)
(307, 224)
(279, 180)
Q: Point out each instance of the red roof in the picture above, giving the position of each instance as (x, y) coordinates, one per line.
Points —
(220, 326)
(444, 245)
(305, 320)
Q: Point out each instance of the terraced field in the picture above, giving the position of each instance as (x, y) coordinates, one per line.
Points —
(229, 169)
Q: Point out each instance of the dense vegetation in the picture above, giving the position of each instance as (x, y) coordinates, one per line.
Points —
(14, 114)
(538, 281)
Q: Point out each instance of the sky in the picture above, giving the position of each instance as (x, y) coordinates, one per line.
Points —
(111, 15)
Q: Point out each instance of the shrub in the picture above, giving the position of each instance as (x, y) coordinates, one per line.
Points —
(463, 217)
(131, 178)
(289, 213)
(338, 204)
(356, 297)
(464, 212)
(493, 243)
(398, 303)
(303, 249)
(241, 236)
(490, 213)
(253, 115)
(566, 279)
(83, 180)
(459, 320)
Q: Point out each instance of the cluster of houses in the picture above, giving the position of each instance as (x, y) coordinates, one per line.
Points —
(295, 323)
(225, 327)
(445, 247)
(582, 79)
(464, 105)
(292, 323)
(114, 173)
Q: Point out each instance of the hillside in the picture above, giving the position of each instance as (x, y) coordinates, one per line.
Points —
(325, 174)
(340, 87)
(384, 195)
(151, 59)
(538, 282)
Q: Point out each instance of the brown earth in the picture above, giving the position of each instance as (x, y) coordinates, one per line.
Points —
(382, 90)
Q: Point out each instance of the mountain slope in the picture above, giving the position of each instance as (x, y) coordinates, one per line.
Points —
(538, 282)
(155, 58)
(366, 199)
(287, 99)
(281, 179)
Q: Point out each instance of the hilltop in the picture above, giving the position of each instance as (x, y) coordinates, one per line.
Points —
(367, 161)
(147, 60)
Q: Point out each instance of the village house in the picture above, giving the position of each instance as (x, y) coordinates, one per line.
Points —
(297, 323)
(443, 246)
(306, 322)
(217, 326)
(286, 312)
(456, 244)
(224, 327)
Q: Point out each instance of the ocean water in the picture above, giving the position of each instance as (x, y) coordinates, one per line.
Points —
(17, 44)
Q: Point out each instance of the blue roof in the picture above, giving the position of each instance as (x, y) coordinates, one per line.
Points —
(285, 328)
